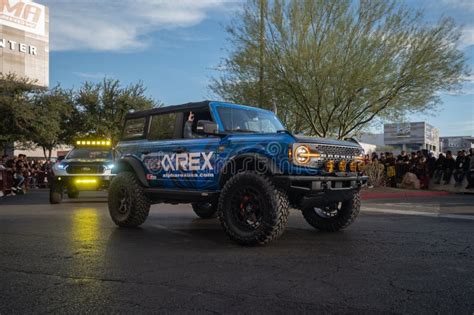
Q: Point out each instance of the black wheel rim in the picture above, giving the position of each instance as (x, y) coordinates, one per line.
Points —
(247, 206)
(329, 211)
(125, 201)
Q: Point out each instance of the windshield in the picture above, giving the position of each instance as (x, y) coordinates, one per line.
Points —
(90, 154)
(248, 120)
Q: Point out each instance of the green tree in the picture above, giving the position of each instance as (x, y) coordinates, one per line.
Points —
(100, 108)
(51, 126)
(332, 67)
(16, 112)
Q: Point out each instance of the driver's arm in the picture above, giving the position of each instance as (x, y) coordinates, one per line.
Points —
(188, 127)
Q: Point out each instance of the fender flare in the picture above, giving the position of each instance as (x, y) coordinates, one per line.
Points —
(261, 159)
(131, 164)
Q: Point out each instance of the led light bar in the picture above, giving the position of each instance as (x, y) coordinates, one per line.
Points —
(86, 181)
(102, 143)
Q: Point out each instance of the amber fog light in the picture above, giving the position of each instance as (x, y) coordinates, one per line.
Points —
(330, 166)
(342, 166)
(353, 166)
(360, 166)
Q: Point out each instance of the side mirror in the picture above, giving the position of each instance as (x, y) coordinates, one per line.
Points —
(60, 158)
(207, 127)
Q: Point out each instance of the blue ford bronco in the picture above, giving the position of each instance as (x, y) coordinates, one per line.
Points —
(237, 162)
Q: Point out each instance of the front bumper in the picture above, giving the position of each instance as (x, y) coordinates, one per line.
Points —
(84, 182)
(316, 184)
(320, 189)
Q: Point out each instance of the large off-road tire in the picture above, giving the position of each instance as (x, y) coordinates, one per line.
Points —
(205, 210)
(334, 217)
(252, 210)
(128, 205)
(72, 193)
(55, 193)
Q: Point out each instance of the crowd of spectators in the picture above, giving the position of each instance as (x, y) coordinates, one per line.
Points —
(19, 174)
(425, 166)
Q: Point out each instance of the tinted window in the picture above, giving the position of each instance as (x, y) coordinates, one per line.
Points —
(134, 128)
(162, 127)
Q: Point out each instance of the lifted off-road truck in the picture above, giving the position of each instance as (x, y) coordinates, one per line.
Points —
(86, 167)
(236, 162)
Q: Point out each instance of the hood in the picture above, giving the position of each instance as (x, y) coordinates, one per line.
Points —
(326, 141)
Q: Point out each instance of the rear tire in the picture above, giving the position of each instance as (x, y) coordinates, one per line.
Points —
(252, 210)
(205, 210)
(128, 205)
(55, 193)
(333, 217)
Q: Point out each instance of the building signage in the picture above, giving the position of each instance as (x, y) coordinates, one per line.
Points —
(455, 142)
(24, 40)
(403, 129)
(24, 15)
(21, 47)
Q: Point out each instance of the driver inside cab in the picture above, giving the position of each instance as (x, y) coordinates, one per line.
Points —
(188, 128)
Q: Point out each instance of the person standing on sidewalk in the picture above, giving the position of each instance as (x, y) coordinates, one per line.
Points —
(470, 172)
(461, 168)
(421, 170)
(402, 166)
(449, 164)
(439, 169)
(391, 170)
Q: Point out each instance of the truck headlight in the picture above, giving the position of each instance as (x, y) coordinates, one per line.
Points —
(303, 155)
(109, 166)
(60, 166)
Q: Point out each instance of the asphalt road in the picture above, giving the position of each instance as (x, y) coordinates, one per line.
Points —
(70, 258)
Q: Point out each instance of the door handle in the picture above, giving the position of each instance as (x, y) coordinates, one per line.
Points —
(180, 150)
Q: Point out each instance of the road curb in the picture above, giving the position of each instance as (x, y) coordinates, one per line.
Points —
(411, 194)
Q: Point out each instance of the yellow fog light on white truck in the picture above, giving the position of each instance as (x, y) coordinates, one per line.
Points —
(86, 181)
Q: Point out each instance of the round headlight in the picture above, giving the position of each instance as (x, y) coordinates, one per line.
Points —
(302, 154)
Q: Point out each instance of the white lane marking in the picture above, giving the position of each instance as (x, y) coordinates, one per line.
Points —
(421, 213)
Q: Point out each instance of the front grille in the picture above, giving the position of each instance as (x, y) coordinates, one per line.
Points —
(85, 169)
(337, 152)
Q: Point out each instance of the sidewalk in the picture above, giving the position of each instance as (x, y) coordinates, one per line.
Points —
(397, 193)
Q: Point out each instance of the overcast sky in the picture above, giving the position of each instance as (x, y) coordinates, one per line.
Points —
(173, 46)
